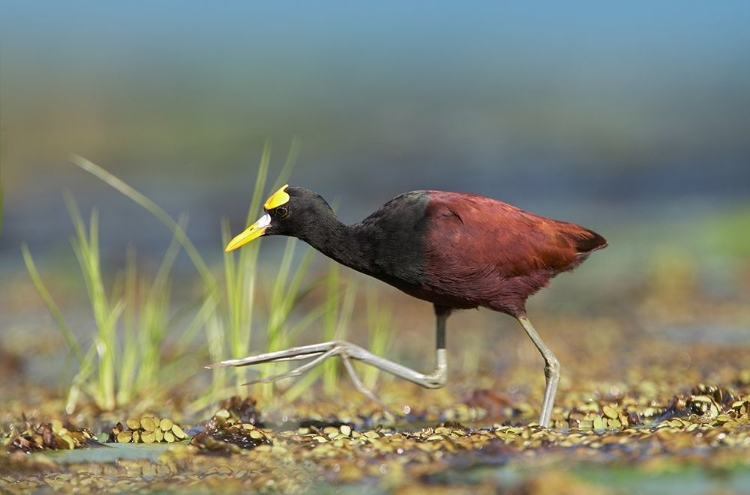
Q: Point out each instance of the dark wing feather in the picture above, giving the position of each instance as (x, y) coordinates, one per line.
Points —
(493, 254)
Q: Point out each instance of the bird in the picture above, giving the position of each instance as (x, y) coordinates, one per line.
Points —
(454, 250)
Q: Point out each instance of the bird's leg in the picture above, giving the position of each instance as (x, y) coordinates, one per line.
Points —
(324, 350)
(441, 358)
(551, 371)
(347, 351)
(307, 367)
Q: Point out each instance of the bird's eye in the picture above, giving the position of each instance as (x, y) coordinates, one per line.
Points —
(282, 212)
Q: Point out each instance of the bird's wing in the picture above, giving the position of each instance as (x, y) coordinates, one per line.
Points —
(476, 235)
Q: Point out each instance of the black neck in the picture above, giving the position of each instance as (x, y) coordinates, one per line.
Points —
(342, 243)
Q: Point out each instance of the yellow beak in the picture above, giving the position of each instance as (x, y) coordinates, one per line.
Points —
(252, 232)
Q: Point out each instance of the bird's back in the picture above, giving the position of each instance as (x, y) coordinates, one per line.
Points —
(463, 251)
(483, 252)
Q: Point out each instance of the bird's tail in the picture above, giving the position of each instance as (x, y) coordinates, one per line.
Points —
(587, 241)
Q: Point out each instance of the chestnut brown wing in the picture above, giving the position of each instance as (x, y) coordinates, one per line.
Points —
(492, 254)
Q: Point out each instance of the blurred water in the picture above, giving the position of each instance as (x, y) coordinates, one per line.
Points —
(605, 115)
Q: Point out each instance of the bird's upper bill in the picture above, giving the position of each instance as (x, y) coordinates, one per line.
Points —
(257, 229)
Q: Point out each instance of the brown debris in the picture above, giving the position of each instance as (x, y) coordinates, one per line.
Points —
(229, 430)
(494, 403)
(53, 435)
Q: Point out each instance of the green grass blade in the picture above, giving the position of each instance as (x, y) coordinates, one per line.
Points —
(215, 339)
(240, 278)
(155, 210)
(155, 315)
(332, 303)
(106, 344)
(331, 372)
(260, 183)
(308, 379)
(206, 309)
(239, 300)
(86, 247)
(295, 292)
(130, 350)
(279, 293)
(241, 274)
(41, 289)
(278, 311)
(289, 164)
(380, 336)
(161, 280)
(85, 371)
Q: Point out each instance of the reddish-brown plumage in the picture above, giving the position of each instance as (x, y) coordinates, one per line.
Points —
(483, 252)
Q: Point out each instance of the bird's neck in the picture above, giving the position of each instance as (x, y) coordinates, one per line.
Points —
(343, 243)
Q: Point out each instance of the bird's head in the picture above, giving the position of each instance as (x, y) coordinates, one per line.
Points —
(289, 211)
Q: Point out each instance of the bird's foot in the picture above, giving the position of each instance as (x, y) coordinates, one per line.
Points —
(320, 352)
(346, 351)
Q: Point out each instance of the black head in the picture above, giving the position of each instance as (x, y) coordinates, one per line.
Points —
(290, 211)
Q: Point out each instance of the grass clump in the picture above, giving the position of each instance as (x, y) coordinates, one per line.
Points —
(117, 366)
(106, 314)
(124, 359)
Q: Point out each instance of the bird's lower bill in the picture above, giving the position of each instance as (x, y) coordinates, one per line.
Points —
(252, 232)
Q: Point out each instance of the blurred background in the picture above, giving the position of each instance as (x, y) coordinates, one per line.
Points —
(630, 119)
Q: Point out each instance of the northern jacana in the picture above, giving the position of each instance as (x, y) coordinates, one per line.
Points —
(455, 250)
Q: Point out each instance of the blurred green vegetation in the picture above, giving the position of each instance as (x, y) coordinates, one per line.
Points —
(1, 205)
(125, 363)
(729, 233)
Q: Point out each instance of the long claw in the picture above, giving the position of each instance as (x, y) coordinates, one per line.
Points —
(361, 386)
(296, 371)
(292, 354)
(347, 351)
